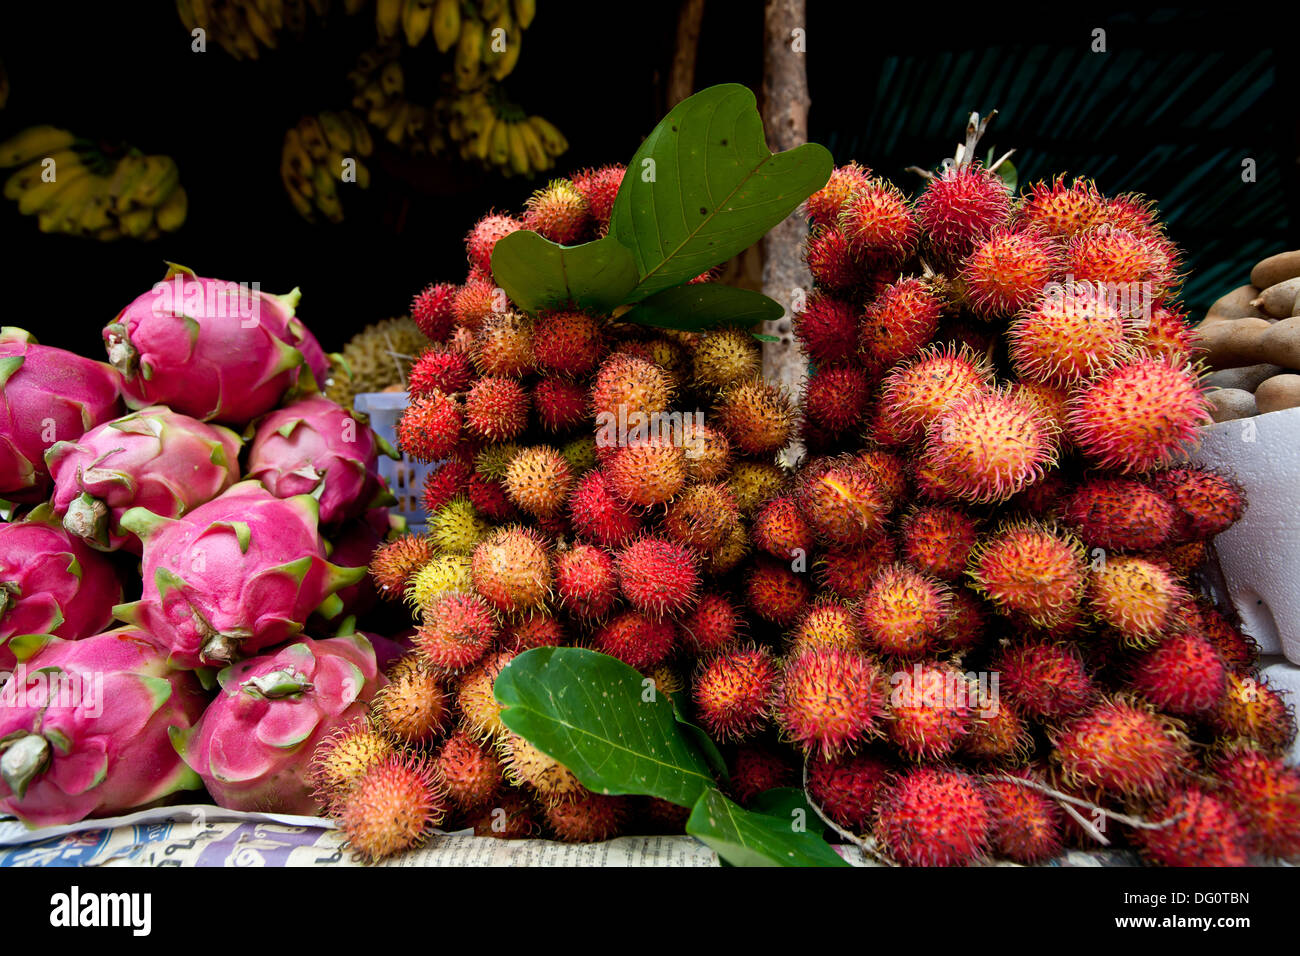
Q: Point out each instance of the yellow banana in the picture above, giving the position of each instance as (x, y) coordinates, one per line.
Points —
(502, 64)
(272, 12)
(109, 234)
(446, 24)
(42, 194)
(336, 131)
(171, 214)
(370, 97)
(135, 222)
(481, 143)
(490, 9)
(19, 182)
(67, 206)
(391, 79)
(126, 174)
(537, 155)
(518, 151)
(417, 17)
(185, 10)
(363, 175)
(499, 148)
(313, 138)
(258, 26)
(382, 117)
(469, 54)
(327, 198)
(296, 185)
(360, 133)
(295, 156)
(525, 10)
(32, 142)
(553, 140)
(397, 128)
(159, 182)
(388, 15)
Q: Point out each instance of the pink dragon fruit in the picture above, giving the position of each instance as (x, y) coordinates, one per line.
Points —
(155, 458)
(211, 349)
(254, 744)
(46, 395)
(51, 583)
(320, 448)
(84, 727)
(236, 575)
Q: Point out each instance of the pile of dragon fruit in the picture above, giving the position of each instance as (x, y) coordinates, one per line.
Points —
(200, 472)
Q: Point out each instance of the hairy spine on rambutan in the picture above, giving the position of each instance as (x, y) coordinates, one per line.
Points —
(829, 700)
(934, 816)
(432, 310)
(1121, 747)
(903, 612)
(732, 692)
(960, 206)
(394, 807)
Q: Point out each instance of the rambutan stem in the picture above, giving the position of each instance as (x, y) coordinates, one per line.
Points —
(975, 129)
(1065, 798)
(924, 173)
(860, 843)
(1001, 159)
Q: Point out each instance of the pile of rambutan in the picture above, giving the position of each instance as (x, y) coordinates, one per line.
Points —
(968, 621)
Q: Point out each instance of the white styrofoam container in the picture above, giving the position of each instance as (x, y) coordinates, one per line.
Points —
(1260, 554)
(405, 476)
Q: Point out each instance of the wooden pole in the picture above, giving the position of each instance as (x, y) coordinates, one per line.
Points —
(681, 79)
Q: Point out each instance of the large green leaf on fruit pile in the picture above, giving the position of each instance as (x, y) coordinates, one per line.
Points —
(538, 274)
(704, 186)
(706, 305)
(591, 712)
(746, 838)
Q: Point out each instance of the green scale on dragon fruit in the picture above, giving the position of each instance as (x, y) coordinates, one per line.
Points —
(234, 576)
(85, 727)
(51, 583)
(156, 459)
(353, 545)
(46, 395)
(317, 447)
(254, 745)
(213, 349)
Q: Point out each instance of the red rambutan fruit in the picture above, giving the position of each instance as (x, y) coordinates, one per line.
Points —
(1205, 831)
(1030, 570)
(713, 625)
(511, 570)
(847, 788)
(841, 503)
(775, 593)
(757, 417)
(429, 428)
(878, 223)
(918, 391)
(1026, 823)
(1007, 271)
(446, 481)
(488, 496)
(561, 405)
(929, 711)
(597, 514)
(559, 212)
(758, 768)
(1265, 793)
(1253, 712)
(708, 455)
(514, 817)
(568, 342)
(412, 707)
(1122, 261)
(849, 572)
(1183, 675)
(485, 234)
(393, 563)
(966, 622)
(887, 469)
(538, 630)
(432, 311)
(585, 817)
(1206, 504)
(731, 693)
(829, 700)
(702, 517)
(456, 632)
(938, 539)
(900, 322)
(1119, 514)
(1164, 333)
(1045, 678)
(1069, 335)
(903, 611)
(626, 384)
(824, 206)
(1135, 596)
(826, 327)
(999, 735)
(646, 471)
(393, 807)
(496, 409)
(934, 816)
(1138, 416)
(636, 640)
(470, 773)
(1056, 209)
(585, 581)
(835, 400)
(780, 530)
(599, 187)
(439, 369)
(474, 302)
(658, 577)
(963, 205)
(503, 345)
(832, 263)
(1239, 652)
(1121, 747)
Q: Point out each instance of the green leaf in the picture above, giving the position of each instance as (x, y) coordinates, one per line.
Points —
(702, 741)
(587, 710)
(745, 838)
(704, 306)
(765, 338)
(538, 274)
(788, 804)
(1010, 176)
(704, 186)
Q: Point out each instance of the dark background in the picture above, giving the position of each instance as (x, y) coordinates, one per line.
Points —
(1179, 99)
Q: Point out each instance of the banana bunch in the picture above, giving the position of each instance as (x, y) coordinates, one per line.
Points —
(71, 187)
(380, 85)
(498, 134)
(244, 27)
(486, 35)
(321, 156)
